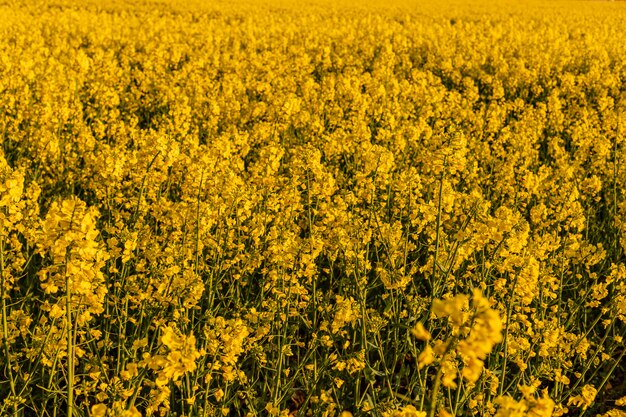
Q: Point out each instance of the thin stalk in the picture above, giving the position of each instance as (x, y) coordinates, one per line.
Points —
(141, 190)
(615, 170)
(589, 363)
(70, 347)
(5, 330)
(437, 384)
(617, 362)
(198, 222)
(438, 231)
(505, 355)
(433, 397)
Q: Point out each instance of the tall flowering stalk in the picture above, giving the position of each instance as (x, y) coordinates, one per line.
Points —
(74, 277)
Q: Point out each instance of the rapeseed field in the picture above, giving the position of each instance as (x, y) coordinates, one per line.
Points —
(312, 208)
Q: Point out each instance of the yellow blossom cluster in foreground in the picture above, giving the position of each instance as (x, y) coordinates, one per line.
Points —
(327, 208)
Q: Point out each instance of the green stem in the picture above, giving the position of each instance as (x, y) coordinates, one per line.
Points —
(437, 384)
(5, 330)
(438, 231)
(70, 347)
(505, 353)
(433, 397)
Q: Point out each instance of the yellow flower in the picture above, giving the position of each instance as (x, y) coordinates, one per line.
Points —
(614, 413)
(132, 412)
(508, 407)
(444, 413)
(98, 410)
(426, 357)
(484, 334)
(407, 411)
(585, 398)
(454, 308)
(541, 407)
(171, 338)
(420, 332)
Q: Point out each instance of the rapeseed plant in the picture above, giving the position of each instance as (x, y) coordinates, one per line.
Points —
(332, 208)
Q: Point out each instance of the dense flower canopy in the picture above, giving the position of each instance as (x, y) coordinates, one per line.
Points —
(324, 208)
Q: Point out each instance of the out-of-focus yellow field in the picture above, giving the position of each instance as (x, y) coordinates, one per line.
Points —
(315, 208)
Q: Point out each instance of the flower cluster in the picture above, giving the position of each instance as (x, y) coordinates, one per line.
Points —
(251, 207)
